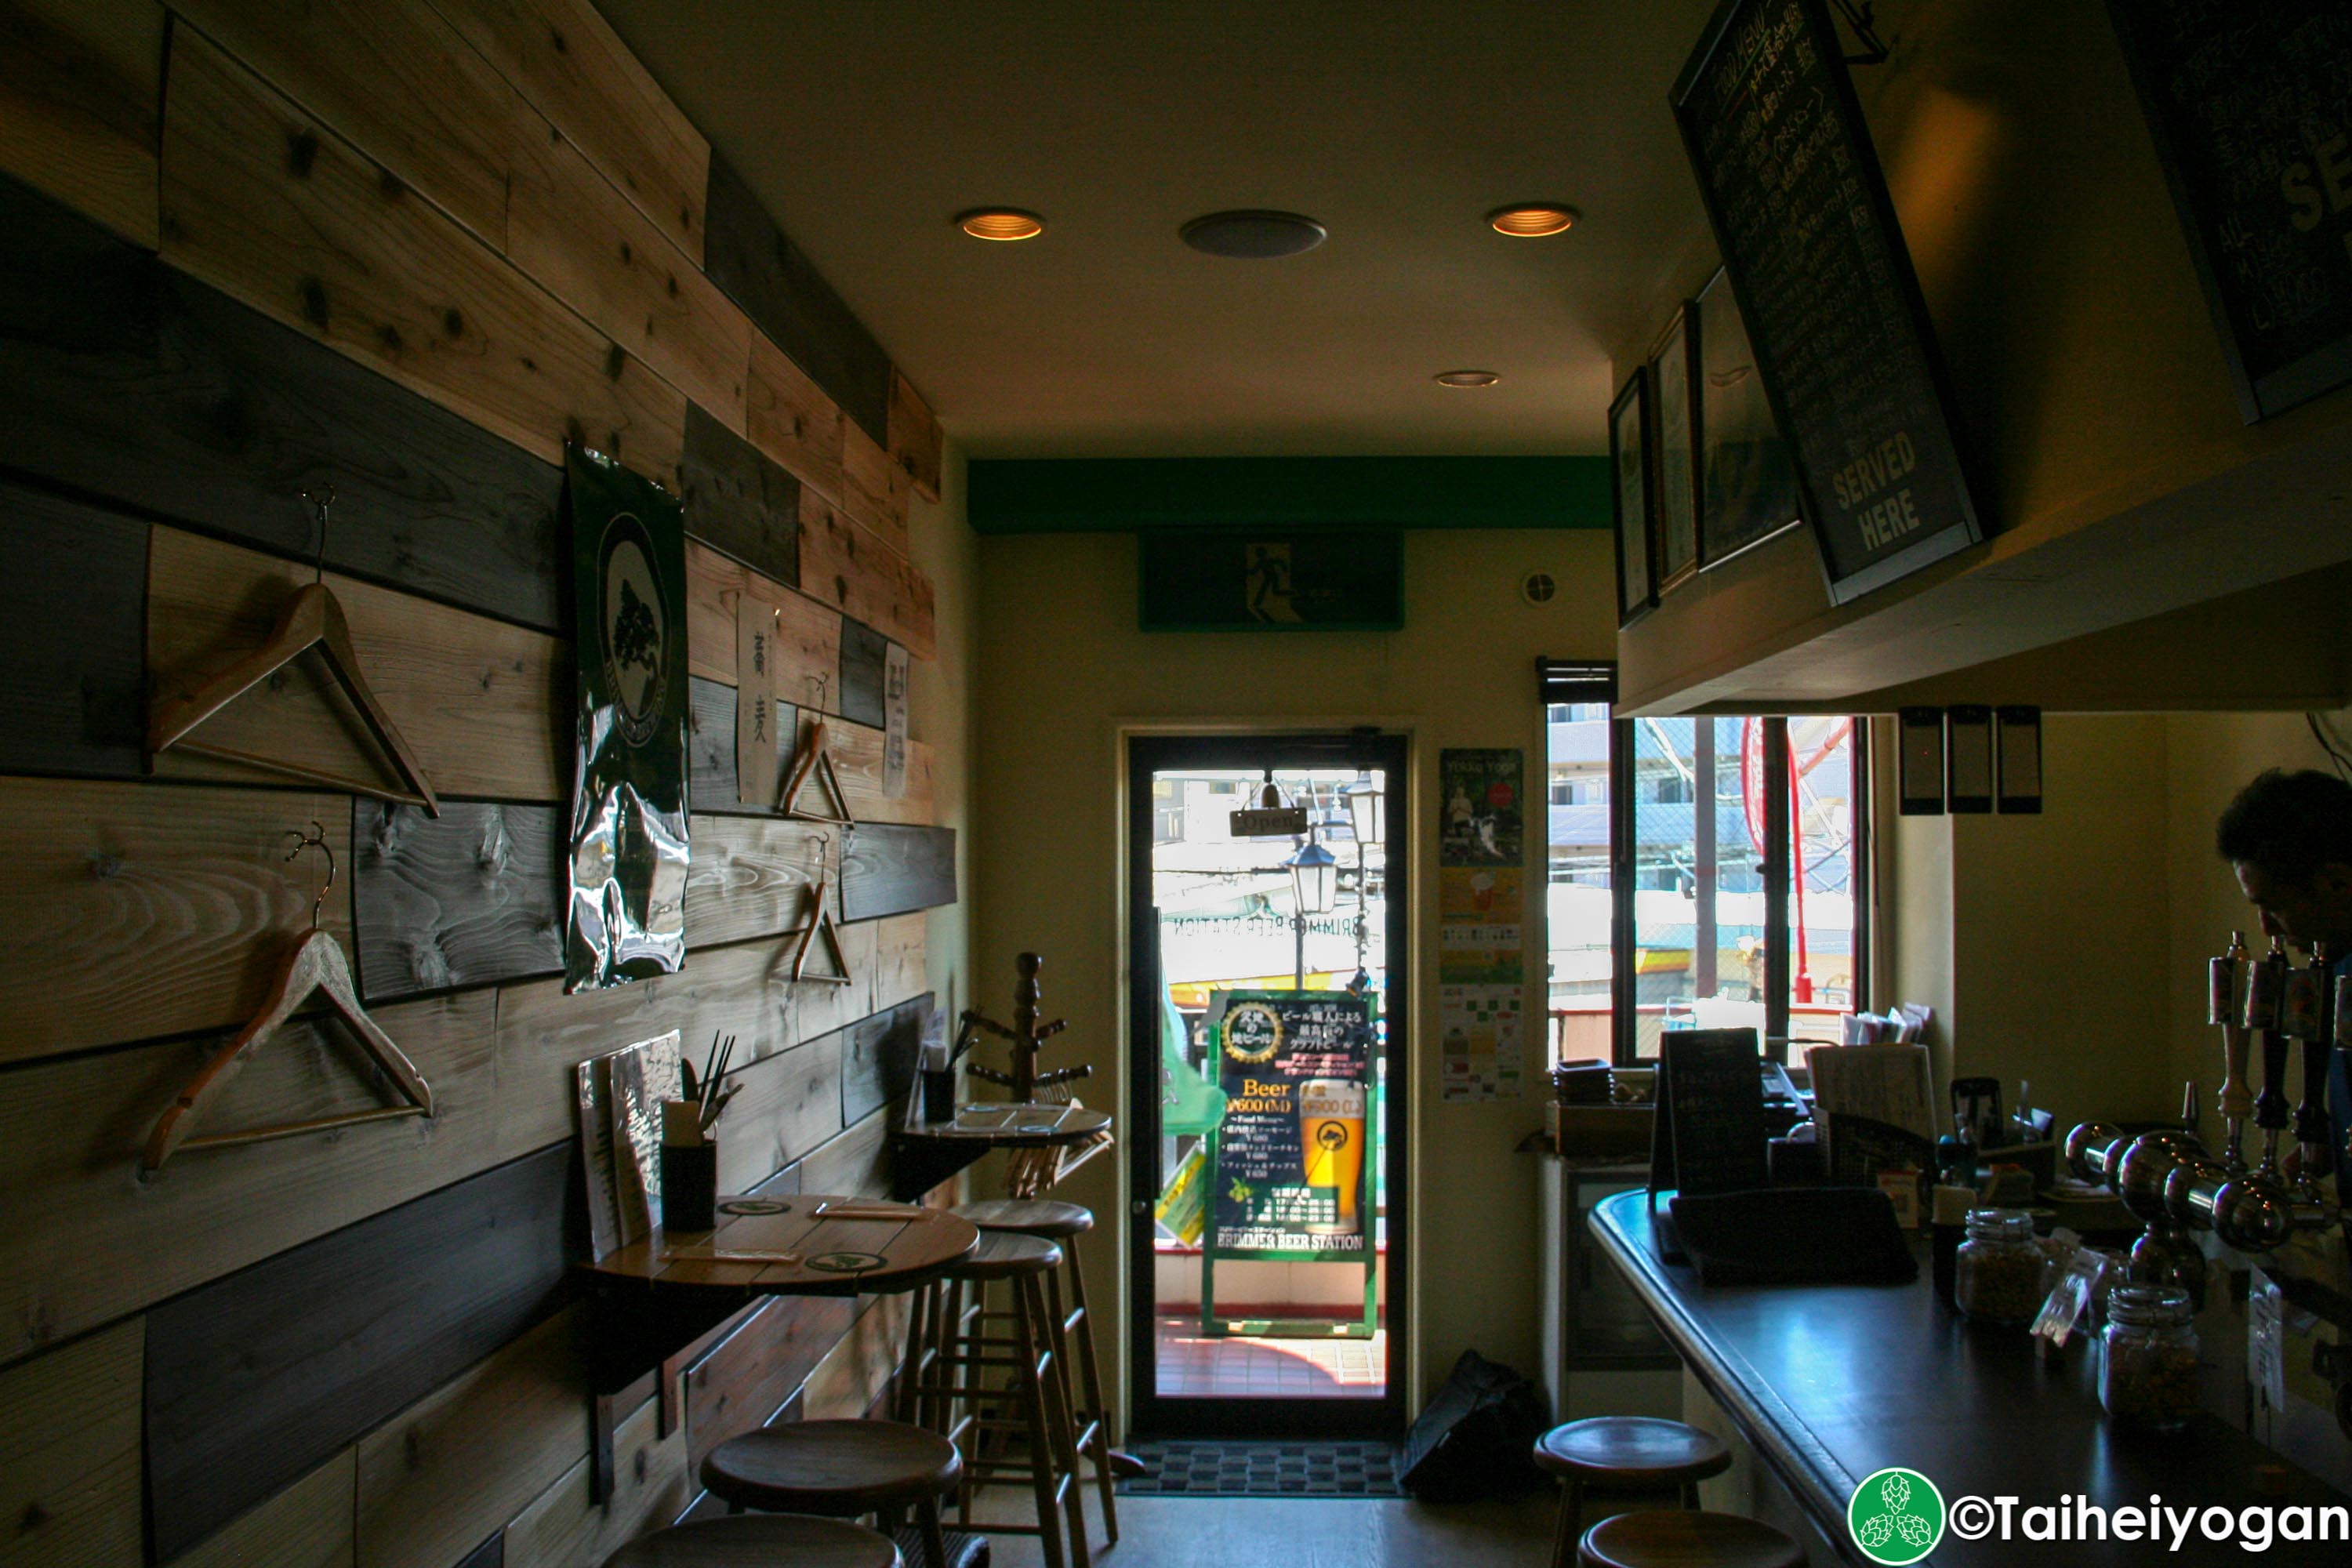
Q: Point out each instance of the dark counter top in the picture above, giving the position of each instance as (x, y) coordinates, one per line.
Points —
(1830, 1383)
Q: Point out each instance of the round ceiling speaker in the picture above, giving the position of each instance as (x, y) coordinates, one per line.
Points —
(1253, 235)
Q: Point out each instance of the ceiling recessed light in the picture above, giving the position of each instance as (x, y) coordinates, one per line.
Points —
(1466, 378)
(1001, 223)
(1253, 235)
(1532, 220)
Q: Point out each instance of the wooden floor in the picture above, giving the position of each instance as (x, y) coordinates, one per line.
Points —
(1316, 1532)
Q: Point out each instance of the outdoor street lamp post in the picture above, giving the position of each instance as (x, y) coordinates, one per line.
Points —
(1368, 813)
(1314, 879)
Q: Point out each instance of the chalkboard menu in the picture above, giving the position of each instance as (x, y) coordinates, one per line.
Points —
(1289, 1168)
(1708, 1134)
(2250, 106)
(1825, 287)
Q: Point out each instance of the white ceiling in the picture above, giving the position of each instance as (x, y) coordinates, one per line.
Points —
(867, 125)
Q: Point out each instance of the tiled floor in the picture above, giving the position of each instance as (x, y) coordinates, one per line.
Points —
(1287, 1532)
(1193, 1367)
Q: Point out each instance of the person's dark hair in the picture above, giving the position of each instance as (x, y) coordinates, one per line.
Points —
(2288, 825)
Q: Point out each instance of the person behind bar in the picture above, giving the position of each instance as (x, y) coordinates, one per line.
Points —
(2288, 837)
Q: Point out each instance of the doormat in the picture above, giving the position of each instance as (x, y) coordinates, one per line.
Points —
(1211, 1468)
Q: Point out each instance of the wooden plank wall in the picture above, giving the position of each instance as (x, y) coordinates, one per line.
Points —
(407, 248)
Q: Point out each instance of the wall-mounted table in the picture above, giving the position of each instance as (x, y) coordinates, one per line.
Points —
(651, 1298)
(925, 1154)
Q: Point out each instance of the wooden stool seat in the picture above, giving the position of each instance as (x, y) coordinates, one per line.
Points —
(838, 1469)
(760, 1540)
(1005, 1255)
(1047, 1217)
(1631, 1453)
(1623, 1453)
(1681, 1540)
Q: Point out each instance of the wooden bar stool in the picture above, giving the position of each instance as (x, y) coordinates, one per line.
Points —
(840, 1469)
(1686, 1540)
(760, 1540)
(950, 1380)
(1624, 1453)
(1050, 1219)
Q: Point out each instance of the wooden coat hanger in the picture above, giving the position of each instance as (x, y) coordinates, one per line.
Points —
(315, 965)
(821, 924)
(812, 762)
(313, 619)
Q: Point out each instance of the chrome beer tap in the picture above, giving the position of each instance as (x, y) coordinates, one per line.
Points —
(2255, 1212)
(2226, 1008)
(2312, 1000)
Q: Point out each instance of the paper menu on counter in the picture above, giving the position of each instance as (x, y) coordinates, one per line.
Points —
(1891, 1085)
(620, 1097)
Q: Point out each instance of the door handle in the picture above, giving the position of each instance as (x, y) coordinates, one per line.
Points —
(1140, 1208)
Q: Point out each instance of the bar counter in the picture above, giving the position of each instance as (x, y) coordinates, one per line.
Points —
(1831, 1382)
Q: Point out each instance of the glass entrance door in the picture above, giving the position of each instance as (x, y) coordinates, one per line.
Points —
(1266, 1131)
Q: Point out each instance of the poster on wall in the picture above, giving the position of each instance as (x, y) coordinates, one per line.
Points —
(1290, 1170)
(627, 917)
(1481, 939)
(1480, 795)
(1478, 1030)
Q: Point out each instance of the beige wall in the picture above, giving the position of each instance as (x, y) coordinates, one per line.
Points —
(941, 712)
(1064, 673)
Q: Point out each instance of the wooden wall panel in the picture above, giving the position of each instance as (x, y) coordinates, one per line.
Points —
(789, 299)
(651, 1485)
(586, 243)
(452, 1470)
(124, 378)
(787, 1106)
(256, 1378)
(80, 95)
(874, 489)
(262, 201)
(308, 1525)
(808, 635)
(739, 501)
(878, 1056)
(88, 1241)
(856, 1161)
(870, 584)
(914, 444)
(395, 80)
(856, 1372)
(901, 960)
(491, 1553)
(864, 652)
(476, 698)
(571, 66)
(890, 870)
(792, 419)
(856, 752)
(69, 1455)
(742, 1381)
(160, 912)
(74, 601)
(711, 775)
(471, 897)
(750, 877)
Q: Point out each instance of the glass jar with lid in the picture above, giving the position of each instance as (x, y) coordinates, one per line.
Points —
(2148, 1357)
(1996, 1276)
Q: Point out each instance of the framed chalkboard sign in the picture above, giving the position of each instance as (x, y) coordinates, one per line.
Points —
(1707, 1135)
(1634, 497)
(1674, 382)
(1271, 580)
(1826, 291)
(2250, 105)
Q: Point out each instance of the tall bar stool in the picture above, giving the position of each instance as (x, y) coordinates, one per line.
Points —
(1050, 1219)
(840, 1469)
(1686, 1540)
(959, 1376)
(760, 1540)
(1624, 1453)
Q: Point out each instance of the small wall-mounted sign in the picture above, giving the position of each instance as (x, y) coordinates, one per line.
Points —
(1274, 580)
(1269, 822)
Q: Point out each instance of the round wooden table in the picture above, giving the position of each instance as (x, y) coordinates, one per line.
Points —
(925, 1154)
(801, 1244)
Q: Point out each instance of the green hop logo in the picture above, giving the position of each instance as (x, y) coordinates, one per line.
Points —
(1895, 1516)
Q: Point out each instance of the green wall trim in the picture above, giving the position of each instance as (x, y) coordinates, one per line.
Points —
(1124, 495)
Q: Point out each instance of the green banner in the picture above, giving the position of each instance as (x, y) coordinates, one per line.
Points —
(628, 841)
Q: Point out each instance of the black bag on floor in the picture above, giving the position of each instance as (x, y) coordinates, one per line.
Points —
(1477, 1436)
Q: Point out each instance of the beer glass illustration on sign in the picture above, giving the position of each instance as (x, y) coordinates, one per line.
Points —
(1331, 1143)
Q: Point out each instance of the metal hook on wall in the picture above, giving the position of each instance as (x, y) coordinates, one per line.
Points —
(321, 500)
(314, 839)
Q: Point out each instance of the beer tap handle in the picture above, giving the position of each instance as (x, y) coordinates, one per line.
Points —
(2311, 1122)
(2269, 1105)
(2266, 984)
(2228, 1010)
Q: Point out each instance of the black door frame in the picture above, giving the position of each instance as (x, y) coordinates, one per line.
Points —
(1150, 1411)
